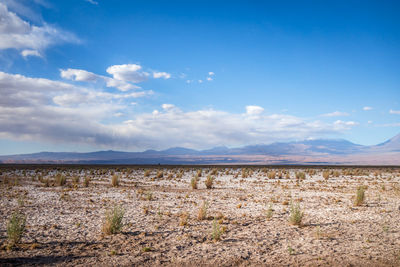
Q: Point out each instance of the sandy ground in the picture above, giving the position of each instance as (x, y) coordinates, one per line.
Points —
(64, 223)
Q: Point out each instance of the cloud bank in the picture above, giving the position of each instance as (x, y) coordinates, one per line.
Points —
(124, 77)
(28, 39)
(54, 111)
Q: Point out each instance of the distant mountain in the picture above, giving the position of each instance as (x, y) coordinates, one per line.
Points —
(392, 144)
(300, 148)
(299, 152)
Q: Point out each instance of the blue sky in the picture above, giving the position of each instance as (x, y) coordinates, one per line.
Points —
(133, 75)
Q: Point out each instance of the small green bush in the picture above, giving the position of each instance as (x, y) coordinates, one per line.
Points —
(113, 220)
(216, 231)
(360, 196)
(16, 227)
(296, 215)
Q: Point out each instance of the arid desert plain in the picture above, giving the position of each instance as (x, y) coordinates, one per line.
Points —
(166, 215)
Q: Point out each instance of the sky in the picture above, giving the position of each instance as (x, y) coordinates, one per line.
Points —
(86, 75)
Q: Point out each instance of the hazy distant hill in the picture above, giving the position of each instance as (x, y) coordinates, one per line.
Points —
(322, 150)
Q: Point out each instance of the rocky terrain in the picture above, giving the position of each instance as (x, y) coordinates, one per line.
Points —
(248, 220)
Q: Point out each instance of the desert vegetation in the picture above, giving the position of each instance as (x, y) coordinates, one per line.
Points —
(166, 215)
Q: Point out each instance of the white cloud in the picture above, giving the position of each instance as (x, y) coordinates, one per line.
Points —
(163, 75)
(339, 124)
(394, 111)
(29, 53)
(211, 73)
(336, 114)
(209, 79)
(15, 33)
(124, 76)
(53, 111)
(128, 73)
(370, 122)
(254, 110)
(92, 2)
(79, 75)
(168, 106)
(366, 108)
(200, 81)
(86, 76)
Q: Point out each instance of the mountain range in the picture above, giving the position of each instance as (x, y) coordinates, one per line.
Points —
(319, 151)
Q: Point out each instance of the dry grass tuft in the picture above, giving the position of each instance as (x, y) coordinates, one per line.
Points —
(202, 214)
(60, 179)
(209, 182)
(194, 181)
(113, 220)
(115, 180)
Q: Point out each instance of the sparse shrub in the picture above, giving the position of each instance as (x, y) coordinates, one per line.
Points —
(160, 174)
(300, 175)
(194, 182)
(75, 179)
(209, 182)
(325, 174)
(113, 220)
(214, 171)
(115, 180)
(147, 249)
(46, 182)
(86, 182)
(271, 175)
(202, 215)
(296, 215)
(179, 175)
(199, 173)
(16, 227)
(360, 197)
(269, 212)
(147, 173)
(21, 202)
(184, 219)
(216, 231)
(149, 195)
(60, 179)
